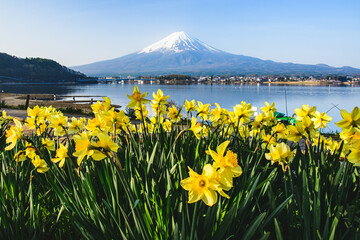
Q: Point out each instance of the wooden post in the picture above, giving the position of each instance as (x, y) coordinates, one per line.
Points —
(27, 101)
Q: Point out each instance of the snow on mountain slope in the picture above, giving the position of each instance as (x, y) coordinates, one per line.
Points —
(178, 42)
(180, 53)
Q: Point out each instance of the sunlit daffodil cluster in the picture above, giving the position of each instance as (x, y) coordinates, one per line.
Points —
(215, 178)
(92, 137)
(350, 134)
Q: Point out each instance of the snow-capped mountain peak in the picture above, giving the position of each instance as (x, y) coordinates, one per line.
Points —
(178, 42)
(179, 53)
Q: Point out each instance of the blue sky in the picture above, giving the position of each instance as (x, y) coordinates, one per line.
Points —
(75, 32)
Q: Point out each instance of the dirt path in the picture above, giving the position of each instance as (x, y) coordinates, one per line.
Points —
(22, 114)
(15, 100)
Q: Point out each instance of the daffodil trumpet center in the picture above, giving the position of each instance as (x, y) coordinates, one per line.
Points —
(202, 183)
(136, 96)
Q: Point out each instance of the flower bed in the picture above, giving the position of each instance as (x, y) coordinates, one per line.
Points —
(188, 173)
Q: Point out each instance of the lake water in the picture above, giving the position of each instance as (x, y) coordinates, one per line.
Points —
(324, 97)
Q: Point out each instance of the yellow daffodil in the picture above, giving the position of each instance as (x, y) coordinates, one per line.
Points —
(58, 122)
(48, 144)
(354, 156)
(226, 165)
(31, 123)
(264, 119)
(196, 128)
(151, 127)
(321, 119)
(137, 99)
(96, 125)
(203, 110)
(280, 130)
(202, 187)
(20, 156)
(100, 107)
(174, 114)
(30, 151)
(349, 136)
(244, 132)
(159, 109)
(243, 113)
(167, 125)
(76, 125)
(97, 107)
(334, 147)
(304, 111)
(40, 164)
(218, 115)
(271, 119)
(321, 140)
(14, 134)
(141, 112)
(329, 144)
(267, 141)
(49, 112)
(345, 151)
(36, 120)
(350, 120)
(190, 106)
(121, 120)
(41, 129)
(295, 133)
(131, 128)
(281, 154)
(106, 143)
(156, 120)
(159, 98)
(205, 131)
(61, 155)
(116, 119)
(106, 103)
(268, 107)
(84, 147)
(3, 117)
(259, 121)
(309, 127)
(36, 112)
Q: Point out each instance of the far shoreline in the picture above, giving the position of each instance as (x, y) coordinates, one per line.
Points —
(294, 83)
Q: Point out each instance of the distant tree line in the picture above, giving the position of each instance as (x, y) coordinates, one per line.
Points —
(338, 78)
(177, 77)
(35, 69)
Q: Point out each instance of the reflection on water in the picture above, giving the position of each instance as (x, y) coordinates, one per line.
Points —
(324, 97)
(60, 89)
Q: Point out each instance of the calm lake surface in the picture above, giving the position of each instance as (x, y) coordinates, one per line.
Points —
(325, 98)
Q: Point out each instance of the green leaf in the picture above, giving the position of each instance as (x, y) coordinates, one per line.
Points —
(254, 226)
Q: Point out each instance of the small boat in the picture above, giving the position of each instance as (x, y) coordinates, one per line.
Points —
(284, 119)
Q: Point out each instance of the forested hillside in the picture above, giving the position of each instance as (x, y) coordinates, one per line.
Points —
(35, 69)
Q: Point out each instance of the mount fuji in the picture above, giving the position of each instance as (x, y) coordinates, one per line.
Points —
(180, 53)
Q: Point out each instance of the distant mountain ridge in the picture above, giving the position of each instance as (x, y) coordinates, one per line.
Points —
(35, 69)
(180, 53)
